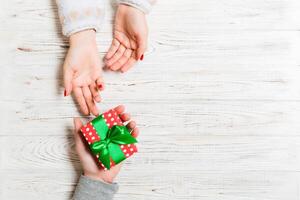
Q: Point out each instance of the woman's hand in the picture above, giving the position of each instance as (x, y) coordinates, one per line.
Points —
(82, 71)
(90, 167)
(130, 39)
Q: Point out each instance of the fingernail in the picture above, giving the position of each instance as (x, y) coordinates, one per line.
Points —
(100, 86)
(65, 93)
(142, 57)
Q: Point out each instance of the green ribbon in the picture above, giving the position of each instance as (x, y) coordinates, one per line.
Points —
(110, 141)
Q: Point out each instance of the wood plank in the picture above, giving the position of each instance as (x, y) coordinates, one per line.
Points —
(216, 98)
(232, 118)
(215, 15)
(172, 151)
(179, 185)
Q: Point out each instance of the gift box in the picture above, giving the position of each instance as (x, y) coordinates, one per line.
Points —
(109, 140)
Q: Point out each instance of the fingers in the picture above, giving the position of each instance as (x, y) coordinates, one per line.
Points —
(81, 101)
(142, 46)
(118, 64)
(116, 56)
(96, 86)
(100, 83)
(77, 125)
(119, 109)
(68, 76)
(122, 38)
(95, 93)
(135, 132)
(89, 101)
(130, 62)
(133, 44)
(131, 125)
(113, 48)
(133, 129)
(125, 117)
(82, 151)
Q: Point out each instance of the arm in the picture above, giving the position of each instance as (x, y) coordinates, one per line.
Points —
(80, 15)
(82, 67)
(95, 183)
(130, 35)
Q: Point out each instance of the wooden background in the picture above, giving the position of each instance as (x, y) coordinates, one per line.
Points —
(217, 100)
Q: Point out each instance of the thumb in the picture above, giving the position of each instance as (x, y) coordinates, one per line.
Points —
(77, 127)
(81, 150)
(142, 45)
(77, 124)
(68, 77)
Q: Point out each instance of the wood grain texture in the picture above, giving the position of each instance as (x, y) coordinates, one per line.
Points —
(217, 99)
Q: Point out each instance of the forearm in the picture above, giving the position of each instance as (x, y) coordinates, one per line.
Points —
(91, 189)
(80, 15)
(143, 5)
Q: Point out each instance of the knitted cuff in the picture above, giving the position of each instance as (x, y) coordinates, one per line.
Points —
(80, 15)
(143, 5)
(91, 189)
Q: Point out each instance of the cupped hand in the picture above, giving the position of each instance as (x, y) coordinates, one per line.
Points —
(130, 39)
(89, 165)
(82, 71)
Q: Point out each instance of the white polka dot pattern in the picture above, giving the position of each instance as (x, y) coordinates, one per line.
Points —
(112, 119)
(89, 133)
(128, 150)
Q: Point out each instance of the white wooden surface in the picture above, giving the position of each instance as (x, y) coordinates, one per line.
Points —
(217, 100)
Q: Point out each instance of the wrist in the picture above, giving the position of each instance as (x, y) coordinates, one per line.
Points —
(98, 177)
(82, 37)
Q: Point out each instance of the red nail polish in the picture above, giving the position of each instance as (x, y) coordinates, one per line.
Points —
(65, 93)
(142, 57)
(100, 86)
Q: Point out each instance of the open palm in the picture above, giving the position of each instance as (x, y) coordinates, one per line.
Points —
(82, 71)
(130, 39)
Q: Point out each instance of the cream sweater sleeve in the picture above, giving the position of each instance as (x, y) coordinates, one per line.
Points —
(143, 5)
(78, 15)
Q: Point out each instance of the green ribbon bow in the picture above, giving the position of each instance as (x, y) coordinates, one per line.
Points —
(110, 141)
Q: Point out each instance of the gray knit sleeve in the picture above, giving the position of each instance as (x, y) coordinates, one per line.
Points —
(143, 5)
(78, 15)
(90, 189)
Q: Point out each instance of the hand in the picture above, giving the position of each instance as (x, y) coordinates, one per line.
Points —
(130, 39)
(90, 167)
(82, 71)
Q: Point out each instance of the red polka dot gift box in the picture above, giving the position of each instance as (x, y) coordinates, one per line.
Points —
(109, 140)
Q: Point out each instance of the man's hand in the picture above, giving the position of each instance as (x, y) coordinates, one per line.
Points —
(90, 167)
